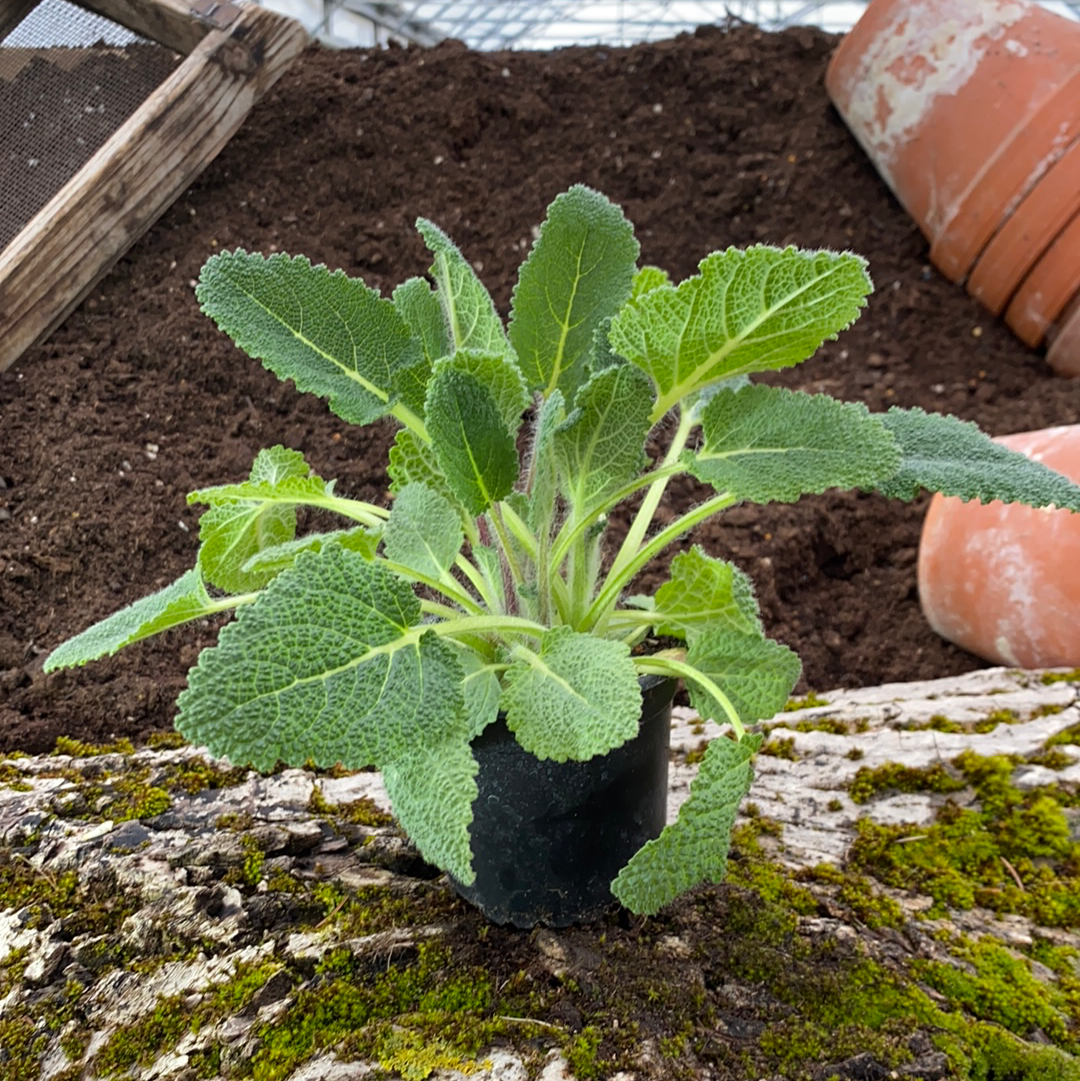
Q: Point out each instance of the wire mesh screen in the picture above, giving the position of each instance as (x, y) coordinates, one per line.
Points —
(68, 80)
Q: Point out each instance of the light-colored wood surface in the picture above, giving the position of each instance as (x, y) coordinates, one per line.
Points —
(80, 233)
(168, 22)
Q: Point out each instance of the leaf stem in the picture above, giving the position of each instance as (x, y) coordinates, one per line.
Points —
(617, 580)
(669, 666)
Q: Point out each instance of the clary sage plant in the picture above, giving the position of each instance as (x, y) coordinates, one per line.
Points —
(484, 584)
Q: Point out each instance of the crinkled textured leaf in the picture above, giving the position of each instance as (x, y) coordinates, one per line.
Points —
(647, 279)
(475, 452)
(752, 310)
(413, 461)
(331, 334)
(600, 446)
(767, 443)
(694, 848)
(543, 476)
(230, 533)
(423, 531)
(275, 559)
(577, 698)
(325, 666)
(705, 594)
(948, 455)
(487, 558)
(432, 790)
(182, 601)
(579, 271)
(471, 317)
(501, 375)
(756, 673)
(482, 690)
(419, 307)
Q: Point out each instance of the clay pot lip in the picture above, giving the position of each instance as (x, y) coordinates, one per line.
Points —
(959, 197)
(1024, 236)
(1063, 354)
(1048, 287)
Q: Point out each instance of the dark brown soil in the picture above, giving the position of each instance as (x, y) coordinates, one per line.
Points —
(722, 137)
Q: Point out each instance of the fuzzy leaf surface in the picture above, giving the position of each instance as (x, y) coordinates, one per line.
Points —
(470, 314)
(766, 444)
(279, 556)
(948, 455)
(756, 673)
(579, 271)
(501, 375)
(329, 664)
(703, 594)
(694, 848)
(232, 532)
(330, 334)
(577, 698)
(474, 450)
(182, 601)
(417, 304)
(413, 462)
(753, 310)
(600, 446)
(543, 473)
(423, 531)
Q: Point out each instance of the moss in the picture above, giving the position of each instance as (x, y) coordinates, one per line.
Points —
(582, 1054)
(1066, 735)
(893, 776)
(250, 871)
(1051, 758)
(12, 777)
(1050, 709)
(809, 702)
(360, 812)
(1013, 853)
(781, 748)
(165, 741)
(21, 1047)
(198, 774)
(859, 895)
(77, 749)
(1072, 676)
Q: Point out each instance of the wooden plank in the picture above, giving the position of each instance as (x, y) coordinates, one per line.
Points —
(78, 235)
(12, 12)
(168, 22)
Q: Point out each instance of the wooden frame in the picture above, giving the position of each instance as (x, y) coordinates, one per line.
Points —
(234, 55)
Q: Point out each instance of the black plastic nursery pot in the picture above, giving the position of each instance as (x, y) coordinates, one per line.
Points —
(549, 837)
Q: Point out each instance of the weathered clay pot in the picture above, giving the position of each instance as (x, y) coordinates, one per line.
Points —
(1063, 354)
(1003, 580)
(963, 106)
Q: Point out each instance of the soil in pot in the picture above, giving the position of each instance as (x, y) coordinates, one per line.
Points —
(713, 139)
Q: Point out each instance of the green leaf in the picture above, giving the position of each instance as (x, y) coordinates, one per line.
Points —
(422, 313)
(501, 375)
(543, 476)
(948, 455)
(482, 691)
(186, 599)
(766, 443)
(423, 531)
(329, 665)
(331, 334)
(647, 279)
(694, 848)
(599, 447)
(470, 312)
(752, 310)
(413, 461)
(705, 594)
(475, 452)
(755, 673)
(577, 698)
(579, 272)
(432, 789)
(276, 558)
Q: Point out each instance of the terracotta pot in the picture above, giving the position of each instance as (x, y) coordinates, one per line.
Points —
(1028, 232)
(1003, 580)
(963, 105)
(1048, 288)
(1064, 352)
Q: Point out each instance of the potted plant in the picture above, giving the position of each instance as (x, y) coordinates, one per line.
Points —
(480, 611)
